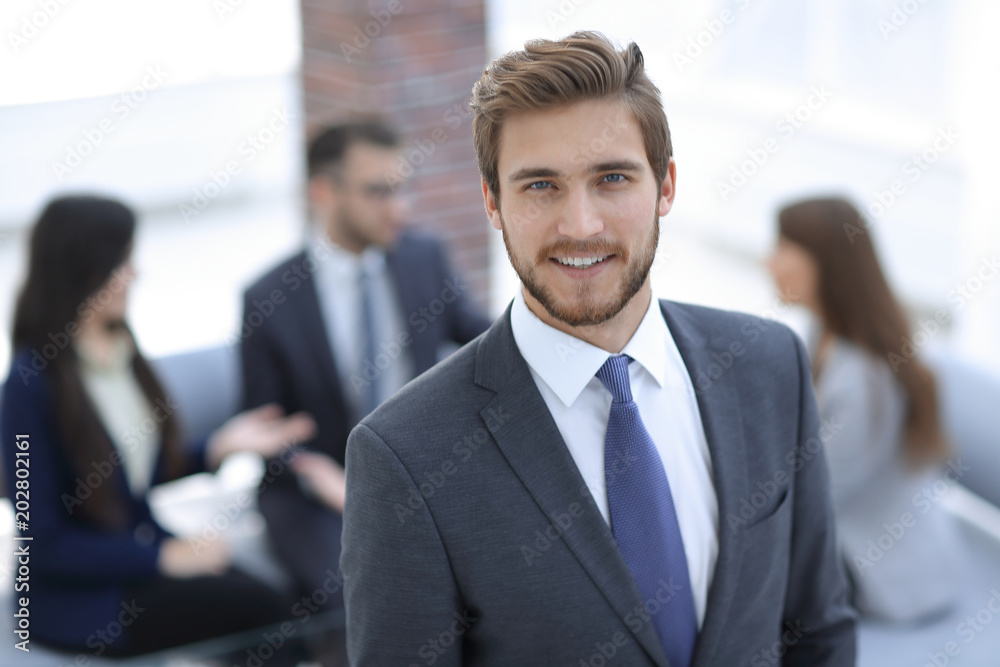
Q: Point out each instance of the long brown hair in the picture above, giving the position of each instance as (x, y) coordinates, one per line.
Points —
(858, 305)
(75, 246)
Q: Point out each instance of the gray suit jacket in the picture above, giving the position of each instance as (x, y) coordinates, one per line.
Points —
(470, 537)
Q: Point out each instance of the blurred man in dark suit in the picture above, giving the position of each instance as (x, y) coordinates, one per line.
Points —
(337, 328)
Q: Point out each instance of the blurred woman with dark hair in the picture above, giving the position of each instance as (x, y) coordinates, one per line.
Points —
(105, 577)
(882, 431)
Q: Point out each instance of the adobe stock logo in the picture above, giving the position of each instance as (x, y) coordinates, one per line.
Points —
(33, 24)
(712, 29)
(253, 145)
(786, 126)
(381, 18)
(153, 77)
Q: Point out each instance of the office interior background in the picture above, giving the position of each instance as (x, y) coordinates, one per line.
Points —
(196, 112)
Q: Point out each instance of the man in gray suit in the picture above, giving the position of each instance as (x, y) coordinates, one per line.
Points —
(602, 477)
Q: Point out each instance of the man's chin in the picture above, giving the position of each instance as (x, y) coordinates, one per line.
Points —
(581, 314)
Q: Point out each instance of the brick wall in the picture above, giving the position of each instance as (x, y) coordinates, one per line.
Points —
(413, 61)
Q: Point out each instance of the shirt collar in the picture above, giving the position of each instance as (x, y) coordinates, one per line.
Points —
(566, 363)
(343, 261)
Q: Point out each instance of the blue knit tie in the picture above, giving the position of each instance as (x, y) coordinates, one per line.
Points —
(643, 519)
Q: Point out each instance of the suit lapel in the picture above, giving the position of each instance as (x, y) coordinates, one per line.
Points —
(535, 450)
(721, 418)
(406, 280)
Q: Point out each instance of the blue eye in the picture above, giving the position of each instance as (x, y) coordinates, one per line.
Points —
(614, 178)
(539, 185)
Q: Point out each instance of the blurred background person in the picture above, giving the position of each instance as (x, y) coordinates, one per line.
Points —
(364, 308)
(102, 433)
(878, 406)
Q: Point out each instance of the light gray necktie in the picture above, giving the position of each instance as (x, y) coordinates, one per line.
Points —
(369, 391)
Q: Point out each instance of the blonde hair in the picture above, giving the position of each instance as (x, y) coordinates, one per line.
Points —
(583, 66)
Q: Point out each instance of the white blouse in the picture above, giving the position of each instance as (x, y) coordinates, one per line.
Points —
(124, 411)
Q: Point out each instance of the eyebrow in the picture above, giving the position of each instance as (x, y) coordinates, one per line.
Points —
(617, 165)
(534, 172)
(546, 172)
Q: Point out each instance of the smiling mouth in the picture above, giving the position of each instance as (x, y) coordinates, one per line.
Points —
(581, 262)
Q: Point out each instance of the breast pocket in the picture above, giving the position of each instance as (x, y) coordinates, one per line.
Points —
(767, 537)
(769, 510)
(765, 565)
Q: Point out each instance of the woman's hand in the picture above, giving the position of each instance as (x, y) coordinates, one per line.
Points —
(192, 558)
(324, 476)
(264, 430)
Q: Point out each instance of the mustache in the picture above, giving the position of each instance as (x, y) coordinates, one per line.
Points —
(592, 247)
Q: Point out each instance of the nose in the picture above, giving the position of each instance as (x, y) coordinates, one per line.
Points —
(580, 217)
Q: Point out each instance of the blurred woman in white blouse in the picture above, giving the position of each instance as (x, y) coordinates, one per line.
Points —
(878, 404)
(106, 577)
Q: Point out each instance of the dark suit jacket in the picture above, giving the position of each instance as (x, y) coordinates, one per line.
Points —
(287, 359)
(470, 537)
(79, 574)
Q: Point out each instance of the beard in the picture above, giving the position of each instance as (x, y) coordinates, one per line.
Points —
(354, 233)
(590, 307)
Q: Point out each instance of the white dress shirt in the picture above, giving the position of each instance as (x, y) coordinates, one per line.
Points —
(124, 411)
(564, 369)
(337, 286)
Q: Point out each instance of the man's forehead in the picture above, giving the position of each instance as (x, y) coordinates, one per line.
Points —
(367, 159)
(573, 137)
(366, 153)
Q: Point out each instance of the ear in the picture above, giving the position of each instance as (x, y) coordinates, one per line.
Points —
(492, 209)
(667, 189)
